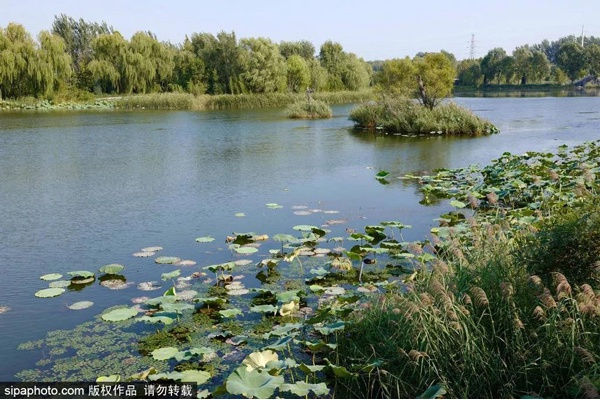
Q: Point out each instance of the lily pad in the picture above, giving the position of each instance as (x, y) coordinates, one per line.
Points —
(195, 376)
(81, 305)
(50, 277)
(305, 228)
(144, 254)
(115, 284)
(112, 269)
(148, 286)
(59, 284)
(166, 260)
(164, 353)
(273, 206)
(240, 214)
(185, 263)
(302, 388)
(152, 248)
(230, 312)
(246, 250)
(253, 383)
(170, 275)
(205, 239)
(119, 314)
(81, 274)
(52, 292)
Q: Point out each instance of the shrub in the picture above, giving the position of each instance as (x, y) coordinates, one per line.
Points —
(309, 109)
(407, 117)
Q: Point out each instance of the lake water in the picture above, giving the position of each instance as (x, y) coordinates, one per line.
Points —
(79, 190)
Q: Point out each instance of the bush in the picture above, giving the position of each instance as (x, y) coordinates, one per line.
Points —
(407, 117)
(309, 109)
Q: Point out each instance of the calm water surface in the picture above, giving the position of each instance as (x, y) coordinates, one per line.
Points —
(79, 190)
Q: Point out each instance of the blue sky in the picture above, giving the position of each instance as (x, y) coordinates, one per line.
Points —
(372, 29)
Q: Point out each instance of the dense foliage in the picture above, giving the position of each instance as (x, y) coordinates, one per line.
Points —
(91, 57)
(559, 62)
(309, 109)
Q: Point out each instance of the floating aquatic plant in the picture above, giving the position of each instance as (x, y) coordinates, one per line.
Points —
(166, 260)
(112, 269)
(51, 292)
(50, 277)
(81, 305)
(119, 314)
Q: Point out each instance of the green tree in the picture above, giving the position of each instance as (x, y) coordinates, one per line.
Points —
(17, 62)
(79, 36)
(53, 64)
(189, 70)
(523, 57)
(592, 57)
(435, 76)
(355, 73)
(397, 77)
(491, 64)
(150, 63)
(302, 48)
(110, 62)
(469, 73)
(263, 66)
(298, 73)
(319, 77)
(332, 57)
(571, 59)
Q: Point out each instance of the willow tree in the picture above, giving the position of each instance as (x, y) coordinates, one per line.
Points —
(298, 74)
(109, 66)
(263, 66)
(355, 72)
(17, 62)
(188, 73)
(150, 63)
(53, 66)
(435, 76)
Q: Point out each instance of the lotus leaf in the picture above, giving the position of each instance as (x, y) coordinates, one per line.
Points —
(168, 376)
(245, 250)
(241, 263)
(110, 378)
(340, 372)
(237, 340)
(59, 284)
(328, 329)
(161, 300)
(280, 344)
(282, 330)
(309, 369)
(259, 359)
(433, 392)
(205, 239)
(253, 383)
(80, 305)
(265, 308)
(148, 286)
(119, 314)
(152, 248)
(176, 307)
(185, 263)
(302, 388)
(305, 228)
(288, 296)
(166, 260)
(170, 275)
(230, 312)
(281, 237)
(144, 254)
(50, 277)
(195, 376)
(240, 214)
(273, 206)
(211, 300)
(458, 204)
(112, 269)
(52, 292)
(81, 274)
(164, 353)
(155, 320)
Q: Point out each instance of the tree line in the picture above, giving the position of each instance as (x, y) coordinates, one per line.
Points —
(561, 61)
(94, 57)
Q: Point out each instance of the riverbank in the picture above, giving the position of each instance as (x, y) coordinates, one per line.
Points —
(186, 101)
(533, 90)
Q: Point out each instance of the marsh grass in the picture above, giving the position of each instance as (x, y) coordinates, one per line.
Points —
(407, 117)
(480, 325)
(309, 110)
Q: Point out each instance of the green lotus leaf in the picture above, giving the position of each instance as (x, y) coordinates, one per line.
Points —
(152, 248)
(340, 372)
(166, 260)
(170, 275)
(280, 344)
(176, 307)
(120, 314)
(210, 300)
(240, 214)
(155, 320)
(112, 269)
(205, 239)
(195, 376)
(253, 383)
(281, 237)
(156, 301)
(170, 292)
(265, 308)
(273, 206)
(282, 330)
(50, 277)
(59, 284)
(289, 308)
(259, 359)
(110, 378)
(309, 369)
(246, 250)
(302, 388)
(458, 204)
(52, 292)
(305, 228)
(230, 312)
(80, 305)
(164, 353)
(328, 329)
(168, 376)
(288, 296)
(81, 274)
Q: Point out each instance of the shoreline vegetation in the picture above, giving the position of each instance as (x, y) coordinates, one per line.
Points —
(186, 101)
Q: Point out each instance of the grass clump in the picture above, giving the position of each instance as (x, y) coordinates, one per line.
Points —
(407, 117)
(158, 101)
(311, 109)
(480, 325)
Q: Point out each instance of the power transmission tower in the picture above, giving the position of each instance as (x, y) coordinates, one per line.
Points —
(472, 47)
